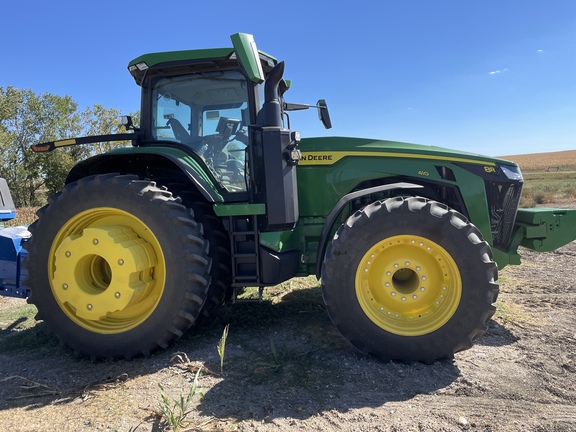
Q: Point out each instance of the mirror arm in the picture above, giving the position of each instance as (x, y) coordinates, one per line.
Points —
(295, 107)
(323, 114)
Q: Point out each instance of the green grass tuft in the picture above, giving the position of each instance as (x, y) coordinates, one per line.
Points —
(176, 411)
(222, 347)
(18, 318)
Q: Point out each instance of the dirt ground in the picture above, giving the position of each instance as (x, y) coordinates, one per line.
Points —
(287, 368)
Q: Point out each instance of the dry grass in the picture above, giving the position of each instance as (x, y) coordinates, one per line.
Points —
(549, 177)
(550, 162)
(548, 191)
(24, 216)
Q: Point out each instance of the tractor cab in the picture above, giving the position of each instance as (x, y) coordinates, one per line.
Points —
(203, 102)
(224, 108)
(208, 113)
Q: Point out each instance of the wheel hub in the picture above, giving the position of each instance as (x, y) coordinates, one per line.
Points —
(102, 270)
(408, 285)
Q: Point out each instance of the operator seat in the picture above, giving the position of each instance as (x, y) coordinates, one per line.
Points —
(180, 133)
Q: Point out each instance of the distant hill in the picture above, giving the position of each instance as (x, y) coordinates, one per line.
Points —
(562, 160)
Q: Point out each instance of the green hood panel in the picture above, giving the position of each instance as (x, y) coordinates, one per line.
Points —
(332, 167)
(329, 150)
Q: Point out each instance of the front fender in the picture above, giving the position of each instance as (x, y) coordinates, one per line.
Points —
(332, 217)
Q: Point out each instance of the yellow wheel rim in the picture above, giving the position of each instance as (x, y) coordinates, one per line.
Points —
(408, 285)
(107, 270)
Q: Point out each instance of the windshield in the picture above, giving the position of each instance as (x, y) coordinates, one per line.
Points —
(207, 112)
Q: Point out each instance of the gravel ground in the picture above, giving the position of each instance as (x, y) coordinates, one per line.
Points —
(287, 368)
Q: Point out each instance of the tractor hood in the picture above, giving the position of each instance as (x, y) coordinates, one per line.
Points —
(329, 150)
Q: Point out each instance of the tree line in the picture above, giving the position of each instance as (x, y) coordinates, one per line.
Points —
(28, 118)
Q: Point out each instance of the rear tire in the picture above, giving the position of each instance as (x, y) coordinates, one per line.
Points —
(218, 251)
(409, 279)
(117, 268)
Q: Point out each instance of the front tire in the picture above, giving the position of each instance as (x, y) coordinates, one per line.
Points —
(409, 279)
(117, 268)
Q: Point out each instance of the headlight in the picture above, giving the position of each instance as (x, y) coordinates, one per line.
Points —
(512, 172)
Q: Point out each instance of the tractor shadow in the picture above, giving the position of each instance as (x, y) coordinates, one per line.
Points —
(295, 364)
(496, 336)
(36, 370)
(284, 358)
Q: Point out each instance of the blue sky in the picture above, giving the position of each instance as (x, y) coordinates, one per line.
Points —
(496, 77)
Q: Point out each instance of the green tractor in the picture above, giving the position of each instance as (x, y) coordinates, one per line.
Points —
(216, 194)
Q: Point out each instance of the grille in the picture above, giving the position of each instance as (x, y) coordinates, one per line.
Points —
(503, 199)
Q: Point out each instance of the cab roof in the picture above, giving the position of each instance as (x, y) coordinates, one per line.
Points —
(201, 59)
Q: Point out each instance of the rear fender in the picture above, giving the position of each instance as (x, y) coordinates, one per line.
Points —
(153, 165)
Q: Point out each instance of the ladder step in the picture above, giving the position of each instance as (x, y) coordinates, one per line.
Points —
(235, 298)
(245, 278)
(244, 244)
(244, 255)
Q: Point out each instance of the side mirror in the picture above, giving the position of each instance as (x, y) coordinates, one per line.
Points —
(127, 122)
(323, 113)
